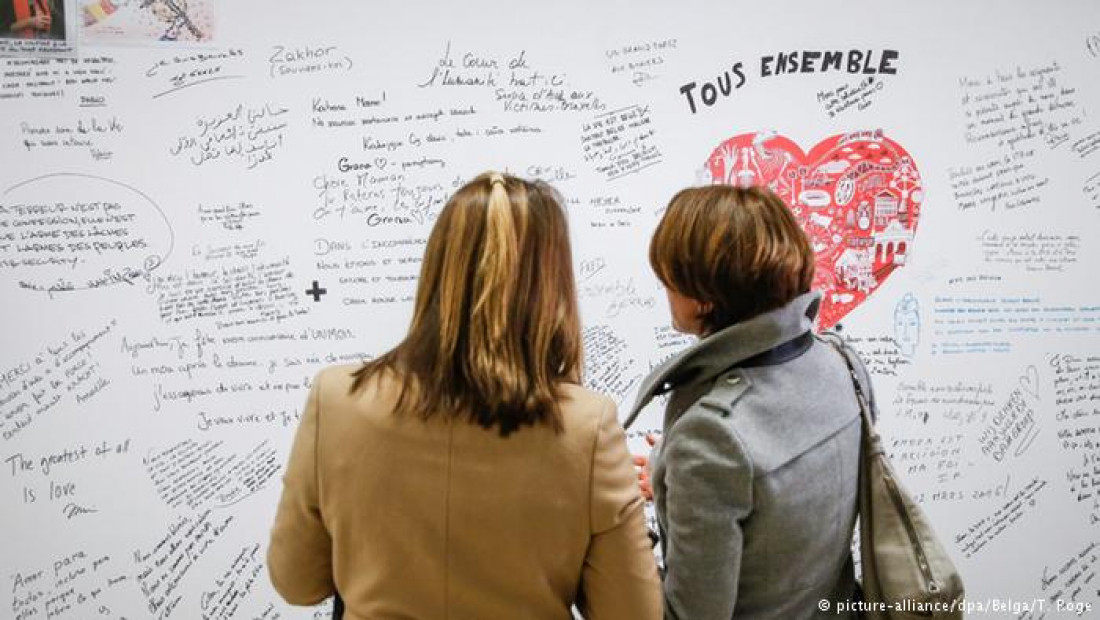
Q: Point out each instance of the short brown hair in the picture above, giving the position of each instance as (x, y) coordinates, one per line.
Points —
(495, 327)
(739, 249)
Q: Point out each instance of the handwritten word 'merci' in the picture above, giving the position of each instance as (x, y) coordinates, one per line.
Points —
(804, 61)
(65, 372)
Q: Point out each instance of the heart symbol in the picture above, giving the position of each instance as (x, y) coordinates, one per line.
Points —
(856, 195)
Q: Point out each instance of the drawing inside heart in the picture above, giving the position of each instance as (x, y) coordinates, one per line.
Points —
(857, 196)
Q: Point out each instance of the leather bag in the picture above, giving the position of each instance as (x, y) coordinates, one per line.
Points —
(907, 573)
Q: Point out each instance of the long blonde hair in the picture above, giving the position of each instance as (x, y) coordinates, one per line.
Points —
(495, 327)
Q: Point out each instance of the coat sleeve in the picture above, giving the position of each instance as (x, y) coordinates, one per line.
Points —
(299, 558)
(619, 578)
(708, 481)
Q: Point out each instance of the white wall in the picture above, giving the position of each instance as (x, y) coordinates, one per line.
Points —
(154, 361)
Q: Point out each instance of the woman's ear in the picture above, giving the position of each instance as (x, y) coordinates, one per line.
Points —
(702, 317)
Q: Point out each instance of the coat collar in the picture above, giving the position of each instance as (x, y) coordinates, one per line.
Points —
(719, 351)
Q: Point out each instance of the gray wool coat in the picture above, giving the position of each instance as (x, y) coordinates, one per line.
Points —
(755, 478)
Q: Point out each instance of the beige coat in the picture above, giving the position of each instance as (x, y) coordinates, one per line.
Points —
(440, 519)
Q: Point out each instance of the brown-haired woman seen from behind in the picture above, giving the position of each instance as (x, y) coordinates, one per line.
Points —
(465, 473)
(754, 481)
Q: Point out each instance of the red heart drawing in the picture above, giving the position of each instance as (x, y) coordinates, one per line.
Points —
(856, 195)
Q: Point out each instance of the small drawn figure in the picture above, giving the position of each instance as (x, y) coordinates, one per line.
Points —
(854, 270)
(863, 216)
(747, 171)
(175, 14)
(772, 163)
(907, 324)
(845, 190)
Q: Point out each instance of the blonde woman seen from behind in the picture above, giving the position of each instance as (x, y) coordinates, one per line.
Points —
(466, 474)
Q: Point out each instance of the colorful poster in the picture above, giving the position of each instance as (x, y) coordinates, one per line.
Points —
(857, 196)
(148, 21)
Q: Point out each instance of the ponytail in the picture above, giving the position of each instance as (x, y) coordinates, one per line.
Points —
(496, 361)
(494, 284)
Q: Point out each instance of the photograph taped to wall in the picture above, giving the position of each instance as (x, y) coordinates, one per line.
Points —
(37, 28)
